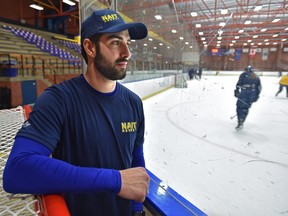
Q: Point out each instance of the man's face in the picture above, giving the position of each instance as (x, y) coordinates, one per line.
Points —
(112, 55)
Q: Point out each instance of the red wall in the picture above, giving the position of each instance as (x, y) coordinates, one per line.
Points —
(277, 60)
(16, 93)
(19, 10)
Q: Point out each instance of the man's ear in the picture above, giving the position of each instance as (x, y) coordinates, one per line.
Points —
(89, 48)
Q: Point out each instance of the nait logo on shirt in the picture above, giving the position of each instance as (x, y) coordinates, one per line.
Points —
(128, 127)
(110, 17)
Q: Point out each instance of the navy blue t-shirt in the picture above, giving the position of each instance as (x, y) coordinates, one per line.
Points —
(89, 129)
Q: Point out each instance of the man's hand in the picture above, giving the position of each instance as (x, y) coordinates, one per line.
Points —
(135, 184)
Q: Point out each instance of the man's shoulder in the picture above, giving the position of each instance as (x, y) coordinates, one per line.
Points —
(66, 84)
(244, 74)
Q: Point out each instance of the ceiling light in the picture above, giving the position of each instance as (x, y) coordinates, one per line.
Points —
(224, 11)
(255, 36)
(173, 31)
(260, 43)
(241, 31)
(222, 24)
(193, 14)
(258, 8)
(69, 2)
(186, 43)
(201, 33)
(286, 29)
(233, 41)
(275, 35)
(284, 39)
(168, 47)
(252, 44)
(275, 43)
(181, 38)
(247, 22)
(267, 43)
(203, 38)
(236, 37)
(266, 40)
(275, 20)
(231, 44)
(249, 41)
(218, 42)
(158, 17)
(220, 32)
(198, 25)
(218, 45)
(37, 7)
(219, 38)
(161, 44)
(150, 39)
(245, 44)
(263, 30)
(145, 44)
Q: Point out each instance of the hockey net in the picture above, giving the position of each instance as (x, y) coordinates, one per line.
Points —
(21, 204)
(180, 81)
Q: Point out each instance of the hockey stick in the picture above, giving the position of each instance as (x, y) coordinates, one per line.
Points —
(233, 116)
(244, 102)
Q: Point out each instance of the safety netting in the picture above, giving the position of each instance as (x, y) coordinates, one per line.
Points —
(13, 204)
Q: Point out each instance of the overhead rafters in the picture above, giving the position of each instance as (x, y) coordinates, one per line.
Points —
(56, 8)
(176, 14)
(209, 16)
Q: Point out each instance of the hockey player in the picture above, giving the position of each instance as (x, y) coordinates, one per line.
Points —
(247, 91)
(283, 83)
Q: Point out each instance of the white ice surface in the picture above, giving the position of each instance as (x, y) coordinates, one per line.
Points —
(192, 145)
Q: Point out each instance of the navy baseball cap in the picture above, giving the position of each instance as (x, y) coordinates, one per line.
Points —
(109, 21)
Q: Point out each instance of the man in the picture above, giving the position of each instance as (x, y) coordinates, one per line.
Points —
(93, 127)
(190, 73)
(283, 83)
(247, 91)
(200, 73)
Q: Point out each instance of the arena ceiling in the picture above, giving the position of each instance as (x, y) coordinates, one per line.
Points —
(213, 23)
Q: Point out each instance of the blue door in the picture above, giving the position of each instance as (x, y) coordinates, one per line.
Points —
(29, 91)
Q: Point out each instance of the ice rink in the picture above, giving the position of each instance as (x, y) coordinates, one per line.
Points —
(192, 145)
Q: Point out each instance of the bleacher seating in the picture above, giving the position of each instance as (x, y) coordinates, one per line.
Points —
(46, 46)
(70, 44)
(11, 44)
(36, 53)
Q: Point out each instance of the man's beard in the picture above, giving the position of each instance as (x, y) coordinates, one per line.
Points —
(107, 69)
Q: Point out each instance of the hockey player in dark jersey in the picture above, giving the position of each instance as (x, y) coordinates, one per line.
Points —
(92, 126)
(247, 91)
